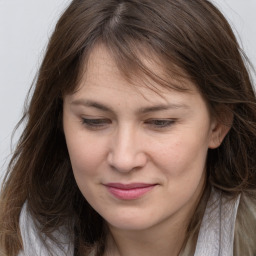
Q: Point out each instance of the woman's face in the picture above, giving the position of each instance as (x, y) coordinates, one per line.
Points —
(138, 157)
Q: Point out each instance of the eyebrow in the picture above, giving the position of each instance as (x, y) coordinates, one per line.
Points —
(92, 104)
(161, 107)
(143, 110)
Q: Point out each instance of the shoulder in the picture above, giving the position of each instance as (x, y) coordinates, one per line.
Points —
(216, 233)
(36, 243)
(245, 234)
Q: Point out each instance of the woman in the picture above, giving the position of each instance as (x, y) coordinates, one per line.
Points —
(139, 139)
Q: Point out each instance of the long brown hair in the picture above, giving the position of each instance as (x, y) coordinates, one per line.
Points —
(187, 35)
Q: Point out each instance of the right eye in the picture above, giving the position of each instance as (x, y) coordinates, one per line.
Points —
(95, 123)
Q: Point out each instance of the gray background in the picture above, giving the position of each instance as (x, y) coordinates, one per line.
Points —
(25, 27)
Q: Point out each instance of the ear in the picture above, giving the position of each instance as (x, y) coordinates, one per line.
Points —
(220, 127)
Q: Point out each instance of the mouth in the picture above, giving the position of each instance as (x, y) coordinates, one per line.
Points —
(130, 191)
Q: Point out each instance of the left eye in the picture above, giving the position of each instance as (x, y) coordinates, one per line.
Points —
(160, 123)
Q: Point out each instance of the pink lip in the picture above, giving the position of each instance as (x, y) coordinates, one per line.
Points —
(129, 191)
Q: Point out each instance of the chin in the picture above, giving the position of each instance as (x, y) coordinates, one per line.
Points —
(135, 223)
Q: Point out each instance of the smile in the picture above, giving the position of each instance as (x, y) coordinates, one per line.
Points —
(129, 191)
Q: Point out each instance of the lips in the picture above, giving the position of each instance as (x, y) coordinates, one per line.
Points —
(130, 191)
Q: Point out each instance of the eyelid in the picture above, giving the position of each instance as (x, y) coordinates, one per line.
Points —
(101, 123)
(95, 123)
(160, 123)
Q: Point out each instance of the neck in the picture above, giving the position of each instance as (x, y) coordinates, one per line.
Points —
(160, 240)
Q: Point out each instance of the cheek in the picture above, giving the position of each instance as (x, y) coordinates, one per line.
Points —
(85, 156)
(183, 155)
(86, 162)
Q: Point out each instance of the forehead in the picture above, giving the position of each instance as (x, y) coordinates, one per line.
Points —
(102, 81)
(147, 71)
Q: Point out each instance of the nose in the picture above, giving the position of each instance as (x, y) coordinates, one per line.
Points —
(126, 152)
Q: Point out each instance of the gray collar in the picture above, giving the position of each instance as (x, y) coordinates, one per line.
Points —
(216, 235)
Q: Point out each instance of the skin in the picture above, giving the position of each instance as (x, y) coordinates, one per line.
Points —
(132, 141)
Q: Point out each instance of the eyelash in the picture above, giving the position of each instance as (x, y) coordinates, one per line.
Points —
(160, 123)
(95, 124)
